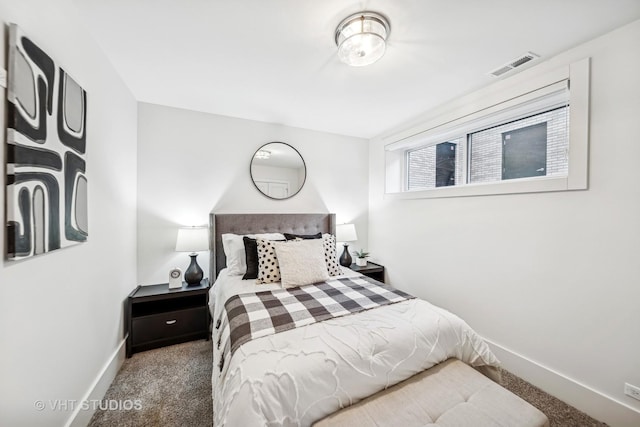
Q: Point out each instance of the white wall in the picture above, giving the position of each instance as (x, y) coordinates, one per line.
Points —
(551, 278)
(61, 315)
(192, 163)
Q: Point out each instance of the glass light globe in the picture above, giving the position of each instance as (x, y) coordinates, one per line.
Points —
(361, 49)
(361, 38)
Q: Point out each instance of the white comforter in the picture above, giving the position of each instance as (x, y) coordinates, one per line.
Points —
(297, 377)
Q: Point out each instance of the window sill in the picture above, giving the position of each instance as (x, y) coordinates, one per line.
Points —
(516, 186)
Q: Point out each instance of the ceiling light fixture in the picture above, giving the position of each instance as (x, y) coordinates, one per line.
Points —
(361, 38)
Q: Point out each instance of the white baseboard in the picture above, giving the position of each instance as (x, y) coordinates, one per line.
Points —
(81, 417)
(599, 406)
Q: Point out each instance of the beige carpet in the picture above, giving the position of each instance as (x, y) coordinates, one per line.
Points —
(559, 413)
(172, 387)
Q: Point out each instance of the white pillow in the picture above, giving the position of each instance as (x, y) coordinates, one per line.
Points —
(233, 246)
(301, 262)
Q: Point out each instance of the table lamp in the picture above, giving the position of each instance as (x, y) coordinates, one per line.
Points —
(193, 239)
(346, 233)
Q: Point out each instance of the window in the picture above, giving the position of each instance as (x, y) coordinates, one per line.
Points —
(526, 148)
(434, 166)
(518, 143)
(532, 141)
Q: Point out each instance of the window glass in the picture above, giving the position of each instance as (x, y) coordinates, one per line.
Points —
(438, 165)
(525, 148)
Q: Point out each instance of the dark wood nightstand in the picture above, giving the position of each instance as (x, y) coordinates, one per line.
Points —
(157, 316)
(373, 270)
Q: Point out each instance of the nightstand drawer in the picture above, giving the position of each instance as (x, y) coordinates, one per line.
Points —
(168, 325)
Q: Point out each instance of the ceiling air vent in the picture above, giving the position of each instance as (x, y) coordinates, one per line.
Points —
(521, 60)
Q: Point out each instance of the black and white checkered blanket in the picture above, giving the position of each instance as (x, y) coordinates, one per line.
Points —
(254, 315)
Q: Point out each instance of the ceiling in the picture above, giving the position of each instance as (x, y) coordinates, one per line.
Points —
(275, 60)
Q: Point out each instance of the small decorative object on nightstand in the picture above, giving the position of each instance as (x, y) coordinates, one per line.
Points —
(373, 270)
(361, 258)
(157, 316)
(346, 233)
(175, 278)
(193, 239)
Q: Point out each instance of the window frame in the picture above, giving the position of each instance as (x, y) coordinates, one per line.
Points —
(576, 75)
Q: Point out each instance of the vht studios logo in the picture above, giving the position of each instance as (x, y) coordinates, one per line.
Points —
(85, 405)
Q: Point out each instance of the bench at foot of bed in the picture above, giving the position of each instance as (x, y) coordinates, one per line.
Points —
(451, 394)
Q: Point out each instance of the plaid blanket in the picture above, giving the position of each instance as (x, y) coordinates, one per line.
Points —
(254, 315)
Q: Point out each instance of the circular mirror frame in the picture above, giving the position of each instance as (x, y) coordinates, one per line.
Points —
(304, 164)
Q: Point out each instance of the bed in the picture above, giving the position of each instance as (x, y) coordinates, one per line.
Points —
(301, 375)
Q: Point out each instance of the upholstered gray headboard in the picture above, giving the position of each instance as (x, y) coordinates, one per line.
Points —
(220, 224)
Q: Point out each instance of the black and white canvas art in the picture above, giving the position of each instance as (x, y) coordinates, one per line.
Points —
(46, 153)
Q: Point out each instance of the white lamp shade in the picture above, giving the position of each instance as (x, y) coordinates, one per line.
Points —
(346, 233)
(192, 239)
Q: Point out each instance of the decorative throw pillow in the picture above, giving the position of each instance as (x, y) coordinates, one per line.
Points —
(290, 236)
(234, 251)
(251, 254)
(330, 255)
(301, 262)
(268, 267)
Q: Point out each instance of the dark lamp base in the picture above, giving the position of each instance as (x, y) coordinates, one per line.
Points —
(345, 258)
(194, 274)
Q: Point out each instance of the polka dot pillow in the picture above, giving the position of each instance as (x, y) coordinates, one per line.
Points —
(268, 267)
(330, 255)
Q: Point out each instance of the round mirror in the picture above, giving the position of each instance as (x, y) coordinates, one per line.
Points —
(278, 170)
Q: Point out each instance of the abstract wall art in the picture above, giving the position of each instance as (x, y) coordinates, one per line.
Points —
(46, 153)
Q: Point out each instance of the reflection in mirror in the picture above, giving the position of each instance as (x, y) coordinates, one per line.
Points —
(278, 170)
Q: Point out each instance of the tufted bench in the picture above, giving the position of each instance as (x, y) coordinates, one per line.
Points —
(451, 394)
